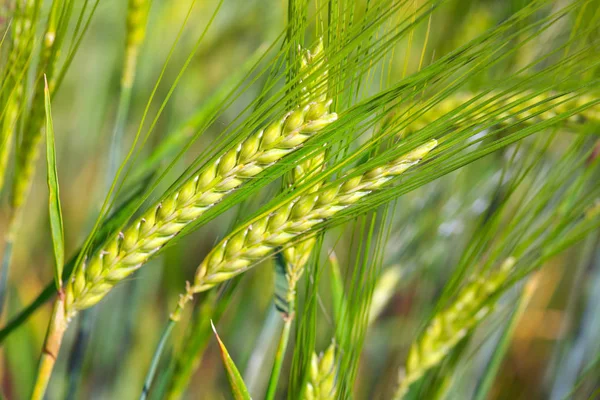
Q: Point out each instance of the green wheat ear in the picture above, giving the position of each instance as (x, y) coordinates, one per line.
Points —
(290, 222)
(473, 303)
(128, 250)
(321, 384)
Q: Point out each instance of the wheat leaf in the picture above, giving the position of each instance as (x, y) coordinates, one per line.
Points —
(54, 209)
(238, 387)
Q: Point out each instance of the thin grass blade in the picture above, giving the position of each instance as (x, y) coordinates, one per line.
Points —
(54, 209)
(238, 387)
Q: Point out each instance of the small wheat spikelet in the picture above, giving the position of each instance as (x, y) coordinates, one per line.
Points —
(262, 237)
(129, 249)
(321, 385)
(522, 106)
(449, 326)
(296, 256)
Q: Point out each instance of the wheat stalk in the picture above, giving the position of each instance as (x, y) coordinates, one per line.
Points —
(321, 385)
(262, 237)
(128, 250)
(473, 303)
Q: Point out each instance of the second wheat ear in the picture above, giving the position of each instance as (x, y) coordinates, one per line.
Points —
(289, 222)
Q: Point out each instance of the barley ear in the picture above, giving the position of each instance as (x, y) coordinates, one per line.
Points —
(294, 220)
(128, 250)
(449, 326)
(13, 103)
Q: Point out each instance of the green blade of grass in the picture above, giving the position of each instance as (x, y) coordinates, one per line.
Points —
(54, 209)
(238, 387)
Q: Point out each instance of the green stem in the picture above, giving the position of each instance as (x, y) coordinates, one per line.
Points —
(156, 359)
(193, 348)
(56, 330)
(279, 357)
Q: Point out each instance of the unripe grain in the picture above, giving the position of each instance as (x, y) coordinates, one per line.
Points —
(129, 249)
(283, 227)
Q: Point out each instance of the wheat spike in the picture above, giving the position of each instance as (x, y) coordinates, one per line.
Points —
(261, 238)
(452, 324)
(321, 385)
(129, 249)
(522, 106)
